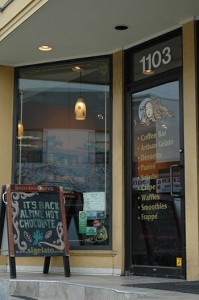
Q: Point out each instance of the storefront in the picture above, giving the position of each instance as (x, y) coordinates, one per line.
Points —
(119, 133)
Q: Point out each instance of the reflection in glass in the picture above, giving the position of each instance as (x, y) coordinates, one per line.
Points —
(156, 160)
(57, 149)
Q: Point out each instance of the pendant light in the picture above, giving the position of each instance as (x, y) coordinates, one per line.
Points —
(20, 130)
(20, 136)
(80, 106)
(20, 124)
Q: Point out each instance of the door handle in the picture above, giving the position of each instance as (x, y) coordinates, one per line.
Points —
(172, 167)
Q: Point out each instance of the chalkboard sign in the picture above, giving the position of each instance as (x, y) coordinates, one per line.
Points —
(36, 221)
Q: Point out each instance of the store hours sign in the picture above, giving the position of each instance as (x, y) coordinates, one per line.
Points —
(158, 58)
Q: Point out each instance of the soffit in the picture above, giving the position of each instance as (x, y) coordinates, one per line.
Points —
(77, 28)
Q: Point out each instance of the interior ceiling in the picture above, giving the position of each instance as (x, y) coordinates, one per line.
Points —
(76, 28)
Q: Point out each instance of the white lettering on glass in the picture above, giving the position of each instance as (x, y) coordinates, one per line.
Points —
(154, 60)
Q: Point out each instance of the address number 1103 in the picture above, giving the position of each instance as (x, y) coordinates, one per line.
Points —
(154, 60)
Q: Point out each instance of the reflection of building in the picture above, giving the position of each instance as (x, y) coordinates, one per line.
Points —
(48, 157)
(106, 157)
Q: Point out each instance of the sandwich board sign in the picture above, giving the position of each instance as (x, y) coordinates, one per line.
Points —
(36, 224)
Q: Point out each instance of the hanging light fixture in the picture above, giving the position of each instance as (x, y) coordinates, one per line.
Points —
(20, 135)
(20, 130)
(80, 106)
(20, 124)
(80, 109)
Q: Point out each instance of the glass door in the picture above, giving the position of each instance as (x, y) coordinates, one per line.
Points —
(157, 206)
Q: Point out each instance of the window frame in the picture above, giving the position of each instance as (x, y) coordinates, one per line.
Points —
(17, 71)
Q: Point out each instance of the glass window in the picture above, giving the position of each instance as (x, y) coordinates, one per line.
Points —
(156, 176)
(64, 139)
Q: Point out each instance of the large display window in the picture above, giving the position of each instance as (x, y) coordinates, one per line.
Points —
(64, 139)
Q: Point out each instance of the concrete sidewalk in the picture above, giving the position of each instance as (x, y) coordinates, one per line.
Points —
(38, 286)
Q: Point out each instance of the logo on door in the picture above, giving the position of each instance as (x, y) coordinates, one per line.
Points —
(152, 110)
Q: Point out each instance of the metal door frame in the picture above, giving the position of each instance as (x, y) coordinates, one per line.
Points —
(149, 270)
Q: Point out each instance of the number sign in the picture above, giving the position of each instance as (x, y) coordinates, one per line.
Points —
(154, 60)
(157, 59)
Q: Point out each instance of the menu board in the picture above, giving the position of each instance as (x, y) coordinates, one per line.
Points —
(36, 221)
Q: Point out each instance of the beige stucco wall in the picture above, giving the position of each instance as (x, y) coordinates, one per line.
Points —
(6, 117)
(118, 162)
(191, 151)
(6, 123)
